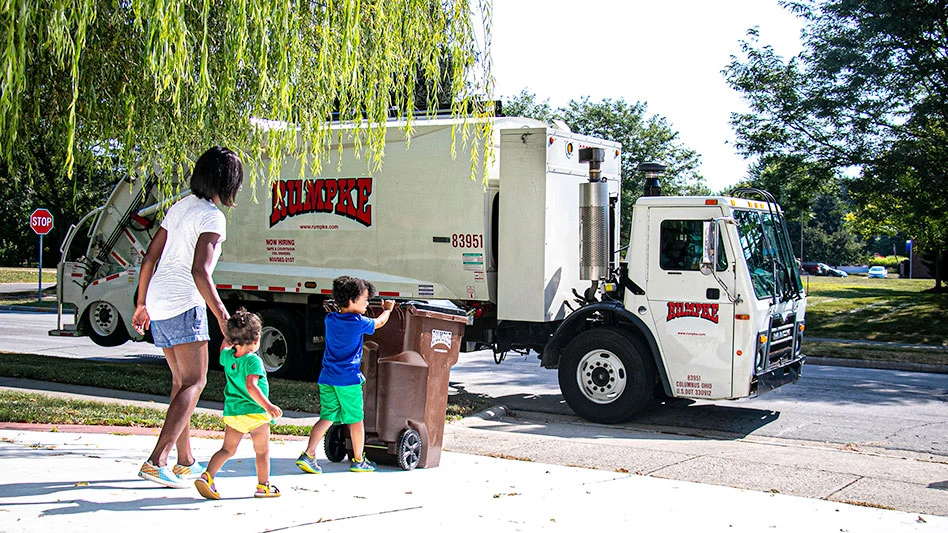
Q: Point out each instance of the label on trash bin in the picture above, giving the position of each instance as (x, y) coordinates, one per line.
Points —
(439, 336)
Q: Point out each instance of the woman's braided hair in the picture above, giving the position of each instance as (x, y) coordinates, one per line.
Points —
(243, 327)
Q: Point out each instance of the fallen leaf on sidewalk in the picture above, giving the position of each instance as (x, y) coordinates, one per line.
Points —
(82, 484)
(921, 520)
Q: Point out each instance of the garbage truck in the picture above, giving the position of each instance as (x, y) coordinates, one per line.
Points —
(702, 301)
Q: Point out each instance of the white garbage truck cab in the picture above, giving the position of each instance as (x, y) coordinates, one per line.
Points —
(704, 301)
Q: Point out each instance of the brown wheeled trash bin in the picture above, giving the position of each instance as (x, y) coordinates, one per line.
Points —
(407, 365)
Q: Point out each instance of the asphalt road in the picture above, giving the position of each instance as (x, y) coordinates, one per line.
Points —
(847, 406)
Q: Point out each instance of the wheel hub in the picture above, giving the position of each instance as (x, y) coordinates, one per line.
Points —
(601, 376)
(103, 319)
(273, 349)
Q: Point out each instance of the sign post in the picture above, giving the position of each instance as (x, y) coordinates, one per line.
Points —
(41, 222)
(908, 250)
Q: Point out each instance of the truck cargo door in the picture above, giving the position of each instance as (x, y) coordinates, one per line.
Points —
(694, 320)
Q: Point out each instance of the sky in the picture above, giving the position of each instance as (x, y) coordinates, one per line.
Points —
(668, 54)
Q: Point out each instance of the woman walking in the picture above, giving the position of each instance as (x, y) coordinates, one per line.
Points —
(172, 298)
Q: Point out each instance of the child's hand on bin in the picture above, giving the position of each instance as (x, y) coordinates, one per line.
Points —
(388, 305)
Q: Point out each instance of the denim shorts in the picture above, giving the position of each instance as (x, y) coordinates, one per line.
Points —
(189, 326)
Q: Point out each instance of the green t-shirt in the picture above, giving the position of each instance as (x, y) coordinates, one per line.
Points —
(237, 401)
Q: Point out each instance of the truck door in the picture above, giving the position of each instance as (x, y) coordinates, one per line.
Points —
(694, 320)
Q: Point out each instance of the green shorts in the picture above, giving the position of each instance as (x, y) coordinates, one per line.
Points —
(341, 404)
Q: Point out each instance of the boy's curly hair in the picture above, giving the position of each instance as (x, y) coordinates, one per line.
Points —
(346, 289)
(243, 327)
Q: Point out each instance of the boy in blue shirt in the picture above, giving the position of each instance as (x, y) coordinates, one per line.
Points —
(340, 382)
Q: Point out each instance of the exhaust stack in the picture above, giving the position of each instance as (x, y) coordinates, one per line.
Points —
(593, 218)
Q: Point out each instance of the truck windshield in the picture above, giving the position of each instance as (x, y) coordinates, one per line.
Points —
(766, 248)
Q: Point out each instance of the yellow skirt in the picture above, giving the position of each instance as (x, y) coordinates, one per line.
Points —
(247, 423)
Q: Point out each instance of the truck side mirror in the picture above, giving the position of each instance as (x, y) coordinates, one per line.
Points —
(709, 248)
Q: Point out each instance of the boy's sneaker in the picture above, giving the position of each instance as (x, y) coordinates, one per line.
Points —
(163, 475)
(307, 463)
(362, 466)
(190, 471)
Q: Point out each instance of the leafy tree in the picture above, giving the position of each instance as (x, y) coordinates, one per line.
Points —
(827, 238)
(869, 93)
(642, 138)
(155, 82)
(66, 200)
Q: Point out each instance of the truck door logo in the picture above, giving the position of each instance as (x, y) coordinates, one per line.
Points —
(708, 312)
(345, 197)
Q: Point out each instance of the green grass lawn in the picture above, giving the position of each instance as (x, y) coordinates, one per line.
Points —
(892, 310)
(27, 275)
(887, 310)
(36, 408)
(150, 378)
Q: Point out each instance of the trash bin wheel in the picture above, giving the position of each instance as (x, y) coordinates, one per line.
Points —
(335, 443)
(409, 449)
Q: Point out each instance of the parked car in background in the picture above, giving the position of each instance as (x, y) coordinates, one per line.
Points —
(822, 269)
(878, 272)
(814, 269)
(836, 273)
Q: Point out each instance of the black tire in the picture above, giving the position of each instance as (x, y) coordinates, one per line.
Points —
(104, 325)
(334, 444)
(605, 376)
(281, 345)
(409, 449)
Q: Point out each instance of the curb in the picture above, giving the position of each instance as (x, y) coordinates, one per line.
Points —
(491, 413)
(877, 365)
(123, 430)
(31, 309)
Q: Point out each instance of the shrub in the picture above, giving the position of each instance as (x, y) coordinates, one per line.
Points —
(890, 262)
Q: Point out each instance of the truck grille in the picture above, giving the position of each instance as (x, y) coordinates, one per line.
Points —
(782, 345)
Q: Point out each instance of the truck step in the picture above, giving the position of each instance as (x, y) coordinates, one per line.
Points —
(66, 332)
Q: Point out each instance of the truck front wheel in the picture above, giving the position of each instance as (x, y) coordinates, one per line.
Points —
(605, 376)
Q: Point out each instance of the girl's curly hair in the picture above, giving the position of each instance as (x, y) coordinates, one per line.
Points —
(243, 327)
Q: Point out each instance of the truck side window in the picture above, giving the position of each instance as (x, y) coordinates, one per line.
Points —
(681, 246)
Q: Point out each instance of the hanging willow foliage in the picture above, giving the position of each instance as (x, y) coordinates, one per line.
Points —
(151, 83)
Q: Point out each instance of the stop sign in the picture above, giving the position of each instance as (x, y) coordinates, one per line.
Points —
(41, 221)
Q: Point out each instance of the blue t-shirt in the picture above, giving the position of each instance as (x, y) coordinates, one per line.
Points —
(343, 353)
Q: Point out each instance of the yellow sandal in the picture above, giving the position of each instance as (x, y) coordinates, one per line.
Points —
(266, 491)
(205, 485)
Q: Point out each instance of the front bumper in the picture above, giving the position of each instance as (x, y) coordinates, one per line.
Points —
(789, 372)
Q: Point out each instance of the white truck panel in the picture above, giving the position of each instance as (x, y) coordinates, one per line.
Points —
(414, 228)
(538, 257)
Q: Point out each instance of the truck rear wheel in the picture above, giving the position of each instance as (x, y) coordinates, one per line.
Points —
(104, 325)
(605, 376)
(281, 345)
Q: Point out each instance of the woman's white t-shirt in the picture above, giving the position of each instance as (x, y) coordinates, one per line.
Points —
(172, 290)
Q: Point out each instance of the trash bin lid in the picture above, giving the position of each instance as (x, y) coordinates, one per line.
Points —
(453, 314)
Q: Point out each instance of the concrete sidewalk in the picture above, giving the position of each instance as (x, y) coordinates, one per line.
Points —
(57, 481)
(81, 479)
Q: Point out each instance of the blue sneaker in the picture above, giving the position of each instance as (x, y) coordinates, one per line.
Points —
(192, 471)
(163, 475)
(362, 466)
(307, 463)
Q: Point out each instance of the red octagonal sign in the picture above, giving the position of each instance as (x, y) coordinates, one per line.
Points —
(41, 221)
